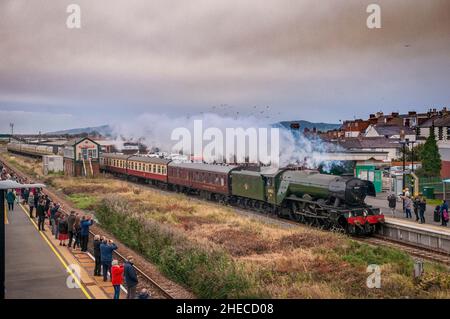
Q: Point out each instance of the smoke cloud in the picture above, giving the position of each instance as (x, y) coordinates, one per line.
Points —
(295, 148)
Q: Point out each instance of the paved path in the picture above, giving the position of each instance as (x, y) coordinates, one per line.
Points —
(381, 202)
(33, 270)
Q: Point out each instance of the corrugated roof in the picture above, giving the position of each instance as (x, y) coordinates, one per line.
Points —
(204, 167)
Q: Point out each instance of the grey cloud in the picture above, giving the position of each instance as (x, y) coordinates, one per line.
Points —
(314, 56)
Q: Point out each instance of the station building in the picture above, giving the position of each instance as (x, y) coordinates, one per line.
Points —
(81, 158)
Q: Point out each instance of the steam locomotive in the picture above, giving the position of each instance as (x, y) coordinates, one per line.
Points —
(306, 196)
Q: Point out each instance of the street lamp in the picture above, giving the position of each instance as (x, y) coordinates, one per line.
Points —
(4, 186)
(412, 155)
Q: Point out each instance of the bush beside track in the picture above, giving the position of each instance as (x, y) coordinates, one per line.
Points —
(209, 273)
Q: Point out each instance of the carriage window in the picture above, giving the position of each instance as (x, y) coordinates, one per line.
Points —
(222, 181)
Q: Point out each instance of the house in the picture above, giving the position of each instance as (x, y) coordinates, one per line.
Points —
(354, 128)
(372, 144)
(81, 157)
(390, 131)
(107, 146)
(412, 119)
(440, 124)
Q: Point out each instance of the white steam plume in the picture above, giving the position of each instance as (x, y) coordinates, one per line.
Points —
(154, 130)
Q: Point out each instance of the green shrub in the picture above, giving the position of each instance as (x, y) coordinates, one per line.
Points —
(209, 273)
(362, 254)
(83, 201)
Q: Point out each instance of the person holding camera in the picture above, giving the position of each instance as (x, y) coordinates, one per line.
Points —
(130, 277)
(86, 222)
(106, 251)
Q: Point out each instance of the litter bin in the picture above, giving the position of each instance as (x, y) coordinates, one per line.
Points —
(428, 192)
(437, 215)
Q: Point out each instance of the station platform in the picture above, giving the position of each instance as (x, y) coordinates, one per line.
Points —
(38, 268)
(381, 202)
(445, 231)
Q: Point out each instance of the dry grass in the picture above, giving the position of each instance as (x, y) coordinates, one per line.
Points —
(30, 166)
(297, 262)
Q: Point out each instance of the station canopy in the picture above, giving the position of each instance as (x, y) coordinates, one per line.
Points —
(10, 184)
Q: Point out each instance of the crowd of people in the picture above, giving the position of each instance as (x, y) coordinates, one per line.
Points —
(418, 205)
(73, 232)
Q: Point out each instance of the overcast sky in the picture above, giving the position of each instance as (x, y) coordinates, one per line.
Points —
(303, 59)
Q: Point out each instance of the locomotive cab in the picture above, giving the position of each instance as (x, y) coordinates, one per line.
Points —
(356, 191)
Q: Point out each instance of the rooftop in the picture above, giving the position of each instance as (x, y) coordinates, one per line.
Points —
(390, 130)
(366, 142)
(437, 121)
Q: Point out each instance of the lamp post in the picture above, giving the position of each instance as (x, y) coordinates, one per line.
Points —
(412, 155)
(403, 142)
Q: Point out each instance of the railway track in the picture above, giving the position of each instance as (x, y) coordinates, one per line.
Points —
(157, 290)
(418, 252)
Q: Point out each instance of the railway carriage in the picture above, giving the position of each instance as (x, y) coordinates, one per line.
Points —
(30, 149)
(209, 181)
(148, 169)
(152, 168)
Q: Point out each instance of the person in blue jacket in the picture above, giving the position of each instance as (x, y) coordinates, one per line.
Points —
(86, 222)
(106, 251)
(131, 279)
(10, 198)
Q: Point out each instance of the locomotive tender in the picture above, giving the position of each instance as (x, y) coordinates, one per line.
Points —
(306, 196)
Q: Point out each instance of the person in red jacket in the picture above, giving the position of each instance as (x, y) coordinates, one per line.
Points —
(116, 277)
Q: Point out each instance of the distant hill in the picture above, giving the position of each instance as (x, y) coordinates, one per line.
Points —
(324, 127)
(104, 130)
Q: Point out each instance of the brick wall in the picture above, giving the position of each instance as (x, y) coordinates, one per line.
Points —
(445, 169)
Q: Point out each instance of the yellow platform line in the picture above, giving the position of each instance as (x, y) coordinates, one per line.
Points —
(6, 215)
(58, 255)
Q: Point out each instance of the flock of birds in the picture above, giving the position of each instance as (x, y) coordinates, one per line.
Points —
(226, 110)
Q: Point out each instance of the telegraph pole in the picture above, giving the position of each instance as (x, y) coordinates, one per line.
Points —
(403, 143)
(11, 125)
